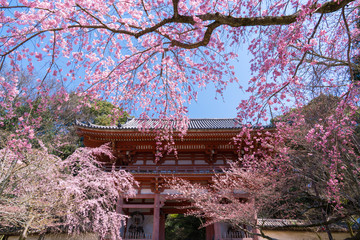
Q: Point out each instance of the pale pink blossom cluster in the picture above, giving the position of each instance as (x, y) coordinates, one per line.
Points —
(74, 195)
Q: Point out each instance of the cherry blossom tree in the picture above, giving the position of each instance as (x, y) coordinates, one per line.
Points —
(234, 197)
(39, 190)
(75, 195)
(308, 169)
(321, 149)
(155, 55)
(247, 188)
(91, 193)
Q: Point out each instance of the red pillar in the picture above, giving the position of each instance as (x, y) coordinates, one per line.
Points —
(119, 205)
(119, 209)
(255, 229)
(210, 232)
(217, 231)
(156, 223)
(162, 226)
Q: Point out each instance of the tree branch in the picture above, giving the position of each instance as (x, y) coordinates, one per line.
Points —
(217, 18)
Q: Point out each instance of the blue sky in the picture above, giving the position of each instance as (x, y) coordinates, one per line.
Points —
(208, 107)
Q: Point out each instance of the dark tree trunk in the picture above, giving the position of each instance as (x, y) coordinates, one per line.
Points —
(323, 214)
(23, 235)
(356, 237)
(41, 236)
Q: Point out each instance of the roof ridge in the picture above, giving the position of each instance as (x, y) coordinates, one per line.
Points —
(192, 124)
(179, 119)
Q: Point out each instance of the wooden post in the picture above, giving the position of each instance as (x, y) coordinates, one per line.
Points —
(255, 230)
(162, 226)
(217, 231)
(156, 223)
(119, 209)
(119, 205)
(210, 232)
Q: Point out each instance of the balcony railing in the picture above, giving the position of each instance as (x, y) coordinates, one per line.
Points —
(137, 236)
(235, 238)
(169, 169)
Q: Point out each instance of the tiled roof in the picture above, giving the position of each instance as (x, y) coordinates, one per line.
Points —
(293, 224)
(194, 124)
(276, 223)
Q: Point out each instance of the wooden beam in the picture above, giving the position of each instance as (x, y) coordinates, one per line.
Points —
(146, 196)
(135, 205)
(177, 204)
(174, 210)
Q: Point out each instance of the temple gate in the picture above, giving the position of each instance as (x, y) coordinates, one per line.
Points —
(204, 150)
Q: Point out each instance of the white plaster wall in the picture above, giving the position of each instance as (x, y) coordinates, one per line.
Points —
(219, 162)
(148, 223)
(184, 162)
(169, 162)
(301, 235)
(223, 228)
(139, 162)
(147, 226)
(146, 191)
(169, 191)
(200, 162)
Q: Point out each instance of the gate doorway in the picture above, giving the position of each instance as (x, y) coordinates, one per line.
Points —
(180, 227)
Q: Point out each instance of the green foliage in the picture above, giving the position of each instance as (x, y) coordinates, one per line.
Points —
(179, 227)
(103, 113)
(53, 118)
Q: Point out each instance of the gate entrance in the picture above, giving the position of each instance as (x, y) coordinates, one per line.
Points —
(180, 227)
(206, 149)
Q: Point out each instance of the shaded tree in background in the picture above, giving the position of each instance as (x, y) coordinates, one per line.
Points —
(180, 227)
(55, 117)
